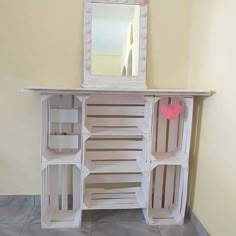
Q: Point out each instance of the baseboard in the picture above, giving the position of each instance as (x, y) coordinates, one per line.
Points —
(196, 223)
(33, 200)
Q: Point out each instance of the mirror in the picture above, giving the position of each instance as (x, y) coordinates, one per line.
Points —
(115, 39)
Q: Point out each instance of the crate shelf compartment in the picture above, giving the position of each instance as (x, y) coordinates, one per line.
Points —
(171, 138)
(115, 153)
(61, 188)
(116, 113)
(168, 195)
(115, 191)
(62, 125)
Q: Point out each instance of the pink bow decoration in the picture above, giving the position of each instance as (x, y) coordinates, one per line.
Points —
(171, 111)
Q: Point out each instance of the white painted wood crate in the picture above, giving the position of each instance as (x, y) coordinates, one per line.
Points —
(113, 152)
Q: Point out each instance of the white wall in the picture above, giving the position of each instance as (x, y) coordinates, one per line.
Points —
(213, 66)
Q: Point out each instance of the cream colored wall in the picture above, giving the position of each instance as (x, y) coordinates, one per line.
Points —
(213, 66)
(106, 65)
(41, 44)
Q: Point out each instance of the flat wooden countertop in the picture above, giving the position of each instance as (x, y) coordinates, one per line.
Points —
(150, 92)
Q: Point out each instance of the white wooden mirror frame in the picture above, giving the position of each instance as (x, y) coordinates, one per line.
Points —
(97, 81)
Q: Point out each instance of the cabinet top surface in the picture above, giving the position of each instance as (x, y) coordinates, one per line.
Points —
(90, 91)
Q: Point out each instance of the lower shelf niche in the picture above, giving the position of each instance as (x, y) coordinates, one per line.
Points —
(115, 191)
(61, 196)
(168, 194)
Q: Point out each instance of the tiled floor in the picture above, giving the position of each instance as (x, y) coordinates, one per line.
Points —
(21, 217)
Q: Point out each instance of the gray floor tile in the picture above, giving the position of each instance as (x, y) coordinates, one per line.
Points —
(118, 215)
(11, 229)
(178, 230)
(35, 230)
(123, 228)
(15, 210)
(34, 216)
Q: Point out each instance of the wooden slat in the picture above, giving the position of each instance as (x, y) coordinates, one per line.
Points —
(158, 187)
(162, 128)
(115, 166)
(115, 110)
(169, 186)
(114, 99)
(64, 115)
(117, 178)
(173, 131)
(113, 155)
(54, 187)
(44, 192)
(107, 191)
(113, 195)
(63, 141)
(181, 125)
(177, 183)
(114, 144)
(76, 188)
(114, 201)
(121, 121)
(64, 184)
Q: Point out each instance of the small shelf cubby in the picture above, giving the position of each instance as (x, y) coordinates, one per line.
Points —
(168, 195)
(116, 113)
(61, 189)
(115, 191)
(62, 127)
(115, 153)
(171, 138)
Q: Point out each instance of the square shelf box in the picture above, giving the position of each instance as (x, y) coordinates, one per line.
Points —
(115, 191)
(115, 153)
(116, 113)
(62, 124)
(61, 189)
(171, 138)
(168, 195)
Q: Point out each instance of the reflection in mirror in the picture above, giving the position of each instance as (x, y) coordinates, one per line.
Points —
(115, 39)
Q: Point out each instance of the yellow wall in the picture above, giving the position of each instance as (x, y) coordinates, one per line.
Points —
(106, 65)
(213, 66)
(41, 44)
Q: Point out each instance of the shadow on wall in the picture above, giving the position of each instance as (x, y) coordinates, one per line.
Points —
(196, 131)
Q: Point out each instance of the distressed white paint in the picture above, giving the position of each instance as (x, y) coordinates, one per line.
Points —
(153, 158)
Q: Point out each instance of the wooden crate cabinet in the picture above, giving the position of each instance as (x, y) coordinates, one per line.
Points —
(113, 149)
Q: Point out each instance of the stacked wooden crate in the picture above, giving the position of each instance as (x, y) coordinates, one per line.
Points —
(113, 152)
(61, 153)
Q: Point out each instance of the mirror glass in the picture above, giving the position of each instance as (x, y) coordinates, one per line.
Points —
(115, 39)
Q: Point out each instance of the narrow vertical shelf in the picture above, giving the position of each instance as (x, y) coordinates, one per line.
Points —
(61, 196)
